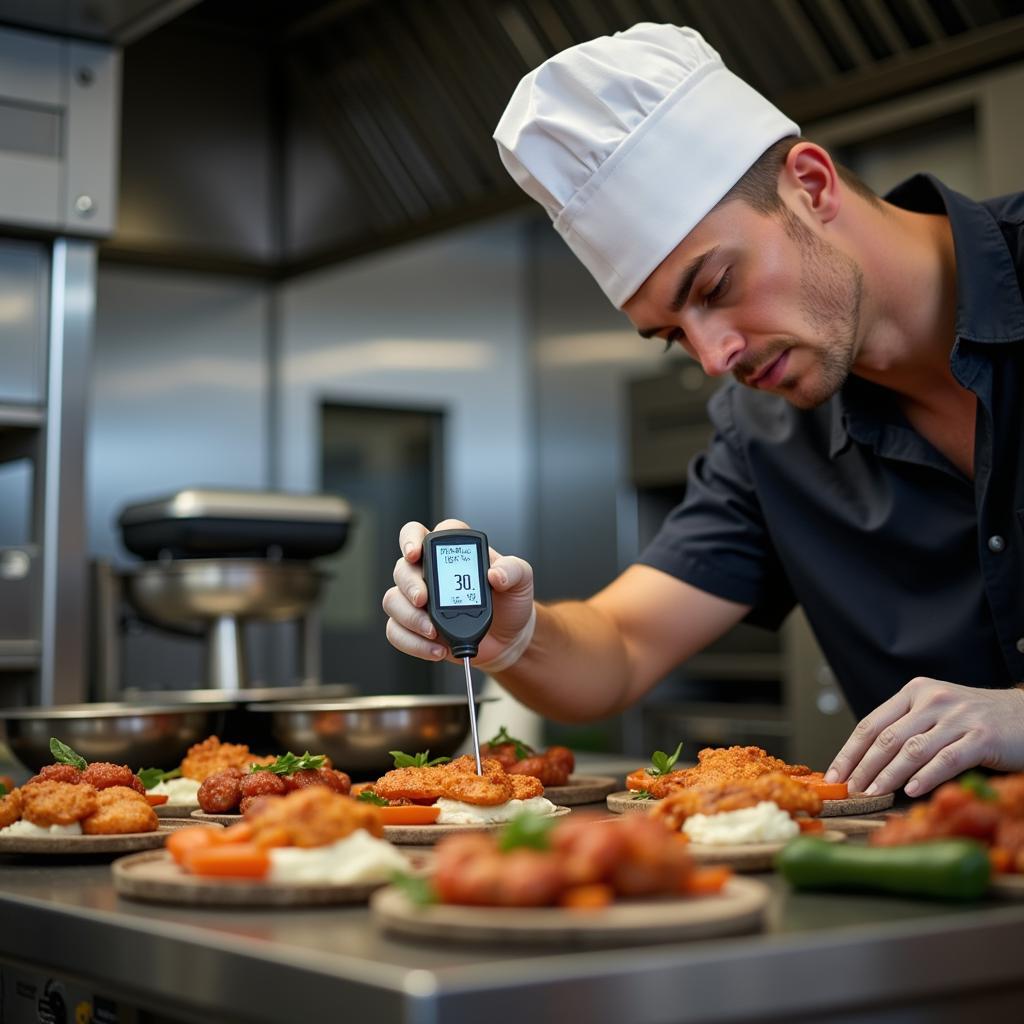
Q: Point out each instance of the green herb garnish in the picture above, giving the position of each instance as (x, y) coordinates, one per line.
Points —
(421, 760)
(979, 786)
(288, 764)
(522, 750)
(642, 794)
(151, 777)
(369, 797)
(3, 789)
(662, 763)
(63, 754)
(526, 830)
(417, 889)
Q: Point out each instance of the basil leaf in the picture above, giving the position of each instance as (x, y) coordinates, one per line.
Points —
(642, 794)
(151, 777)
(978, 785)
(403, 760)
(63, 754)
(526, 830)
(369, 797)
(663, 763)
(417, 889)
(288, 764)
(3, 789)
(523, 751)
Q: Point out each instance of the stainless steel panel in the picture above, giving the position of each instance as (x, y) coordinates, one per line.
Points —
(24, 283)
(30, 130)
(61, 510)
(30, 67)
(93, 75)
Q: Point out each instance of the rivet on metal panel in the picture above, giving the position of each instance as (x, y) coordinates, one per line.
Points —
(84, 205)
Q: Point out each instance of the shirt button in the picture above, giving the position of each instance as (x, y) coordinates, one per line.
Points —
(996, 543)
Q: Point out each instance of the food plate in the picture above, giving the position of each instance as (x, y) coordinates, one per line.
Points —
(749, 856)
(427, 835)
(622, 802)
(858, 826)
(170, 810)
(1009, 887)
(216, 819)
(739, 908)
(154, 877)
(581, 789)
(80, 845)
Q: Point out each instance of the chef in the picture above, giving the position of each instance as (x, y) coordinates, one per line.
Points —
(867, 460)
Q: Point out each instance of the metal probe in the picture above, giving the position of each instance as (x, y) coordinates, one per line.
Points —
(472, 715)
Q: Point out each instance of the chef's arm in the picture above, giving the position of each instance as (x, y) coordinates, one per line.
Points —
(591, 659)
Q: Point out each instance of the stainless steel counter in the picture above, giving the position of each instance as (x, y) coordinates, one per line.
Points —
(844, 958)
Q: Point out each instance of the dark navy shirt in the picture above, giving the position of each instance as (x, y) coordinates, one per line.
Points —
(903, 565)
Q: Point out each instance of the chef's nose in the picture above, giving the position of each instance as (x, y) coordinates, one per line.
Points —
(718, 348)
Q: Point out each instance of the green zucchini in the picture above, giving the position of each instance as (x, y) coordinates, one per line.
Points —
(948, 869)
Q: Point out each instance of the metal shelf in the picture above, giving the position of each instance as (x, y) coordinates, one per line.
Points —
(18, 655)
(15, 415)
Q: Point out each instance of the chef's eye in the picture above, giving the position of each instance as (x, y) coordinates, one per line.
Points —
(719, 290)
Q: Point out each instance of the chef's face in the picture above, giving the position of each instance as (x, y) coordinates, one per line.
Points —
(760, 296)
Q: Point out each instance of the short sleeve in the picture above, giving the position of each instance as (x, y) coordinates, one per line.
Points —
(716, 538)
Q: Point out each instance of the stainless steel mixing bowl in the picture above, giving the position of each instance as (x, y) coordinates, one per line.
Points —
(357, 734)
(141, 736)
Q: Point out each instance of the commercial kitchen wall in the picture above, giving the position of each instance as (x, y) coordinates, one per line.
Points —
(181, 390)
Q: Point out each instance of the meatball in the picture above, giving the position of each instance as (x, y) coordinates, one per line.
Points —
(103, 775)
(262, 784)
(56, 773)
(336, 780)
(57, 803)
(303, 779)
(252, 804)
(120, 810)
(221, 792)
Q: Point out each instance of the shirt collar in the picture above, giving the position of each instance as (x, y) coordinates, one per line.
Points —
(989, 307)
(989, 303)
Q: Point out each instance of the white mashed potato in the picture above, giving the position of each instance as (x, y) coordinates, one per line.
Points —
(26, 828)
(455, 812)
(177, 791)
(764, 823)
(358, 857)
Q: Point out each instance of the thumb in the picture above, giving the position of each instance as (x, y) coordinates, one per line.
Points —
(511, 575)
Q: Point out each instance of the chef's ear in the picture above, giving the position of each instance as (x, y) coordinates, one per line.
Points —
(812, 181)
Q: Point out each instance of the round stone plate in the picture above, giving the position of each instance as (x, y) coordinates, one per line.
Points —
(624, 802)
(581, 789)
(170, 810)
(217, 819)
(78, 845)
(154, 877)
(740, 907)
(1009, 886)
(427, 835)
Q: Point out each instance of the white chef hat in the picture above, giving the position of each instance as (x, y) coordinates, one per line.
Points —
(627, 141)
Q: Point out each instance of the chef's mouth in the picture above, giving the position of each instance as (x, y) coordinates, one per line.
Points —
(766, 371)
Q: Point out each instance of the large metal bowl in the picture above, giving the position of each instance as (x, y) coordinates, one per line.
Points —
(357, 734)
(141, 736)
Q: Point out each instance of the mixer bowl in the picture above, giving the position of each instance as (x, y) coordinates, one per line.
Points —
(357, 734)
(191, 592)
(139, 735)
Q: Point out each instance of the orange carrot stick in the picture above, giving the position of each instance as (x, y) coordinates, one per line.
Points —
(587, 897)
(185, 840)
(705, 881)
(408, 815)
(810, 825)
(229, 860)
(156, 799)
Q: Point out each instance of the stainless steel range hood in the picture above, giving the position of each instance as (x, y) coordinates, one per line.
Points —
(110, 21)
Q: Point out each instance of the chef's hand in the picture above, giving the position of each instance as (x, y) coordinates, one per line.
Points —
(409, 628)
(929, 732)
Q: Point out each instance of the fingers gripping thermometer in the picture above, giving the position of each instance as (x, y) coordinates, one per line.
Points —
(455, 566)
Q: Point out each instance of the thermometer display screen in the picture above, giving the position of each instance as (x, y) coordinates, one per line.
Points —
(458, 575)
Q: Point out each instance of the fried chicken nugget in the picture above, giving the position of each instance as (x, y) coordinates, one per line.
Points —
(120, 810)
(10, 808)
(455, 781)
(525, 786)
(57, 803)
(314, 816)
(732, 795)
(209, 756)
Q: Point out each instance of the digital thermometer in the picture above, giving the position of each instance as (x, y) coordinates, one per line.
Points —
(455, 564)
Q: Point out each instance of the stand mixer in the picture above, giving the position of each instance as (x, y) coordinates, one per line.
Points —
(216, 558)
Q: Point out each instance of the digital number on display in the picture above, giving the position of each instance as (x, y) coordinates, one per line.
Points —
(458, 575)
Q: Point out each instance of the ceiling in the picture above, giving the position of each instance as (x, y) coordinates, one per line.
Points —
(394, 101)
(409, 92)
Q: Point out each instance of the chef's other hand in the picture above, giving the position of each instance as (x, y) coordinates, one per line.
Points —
(929, 732)
(409, 628)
